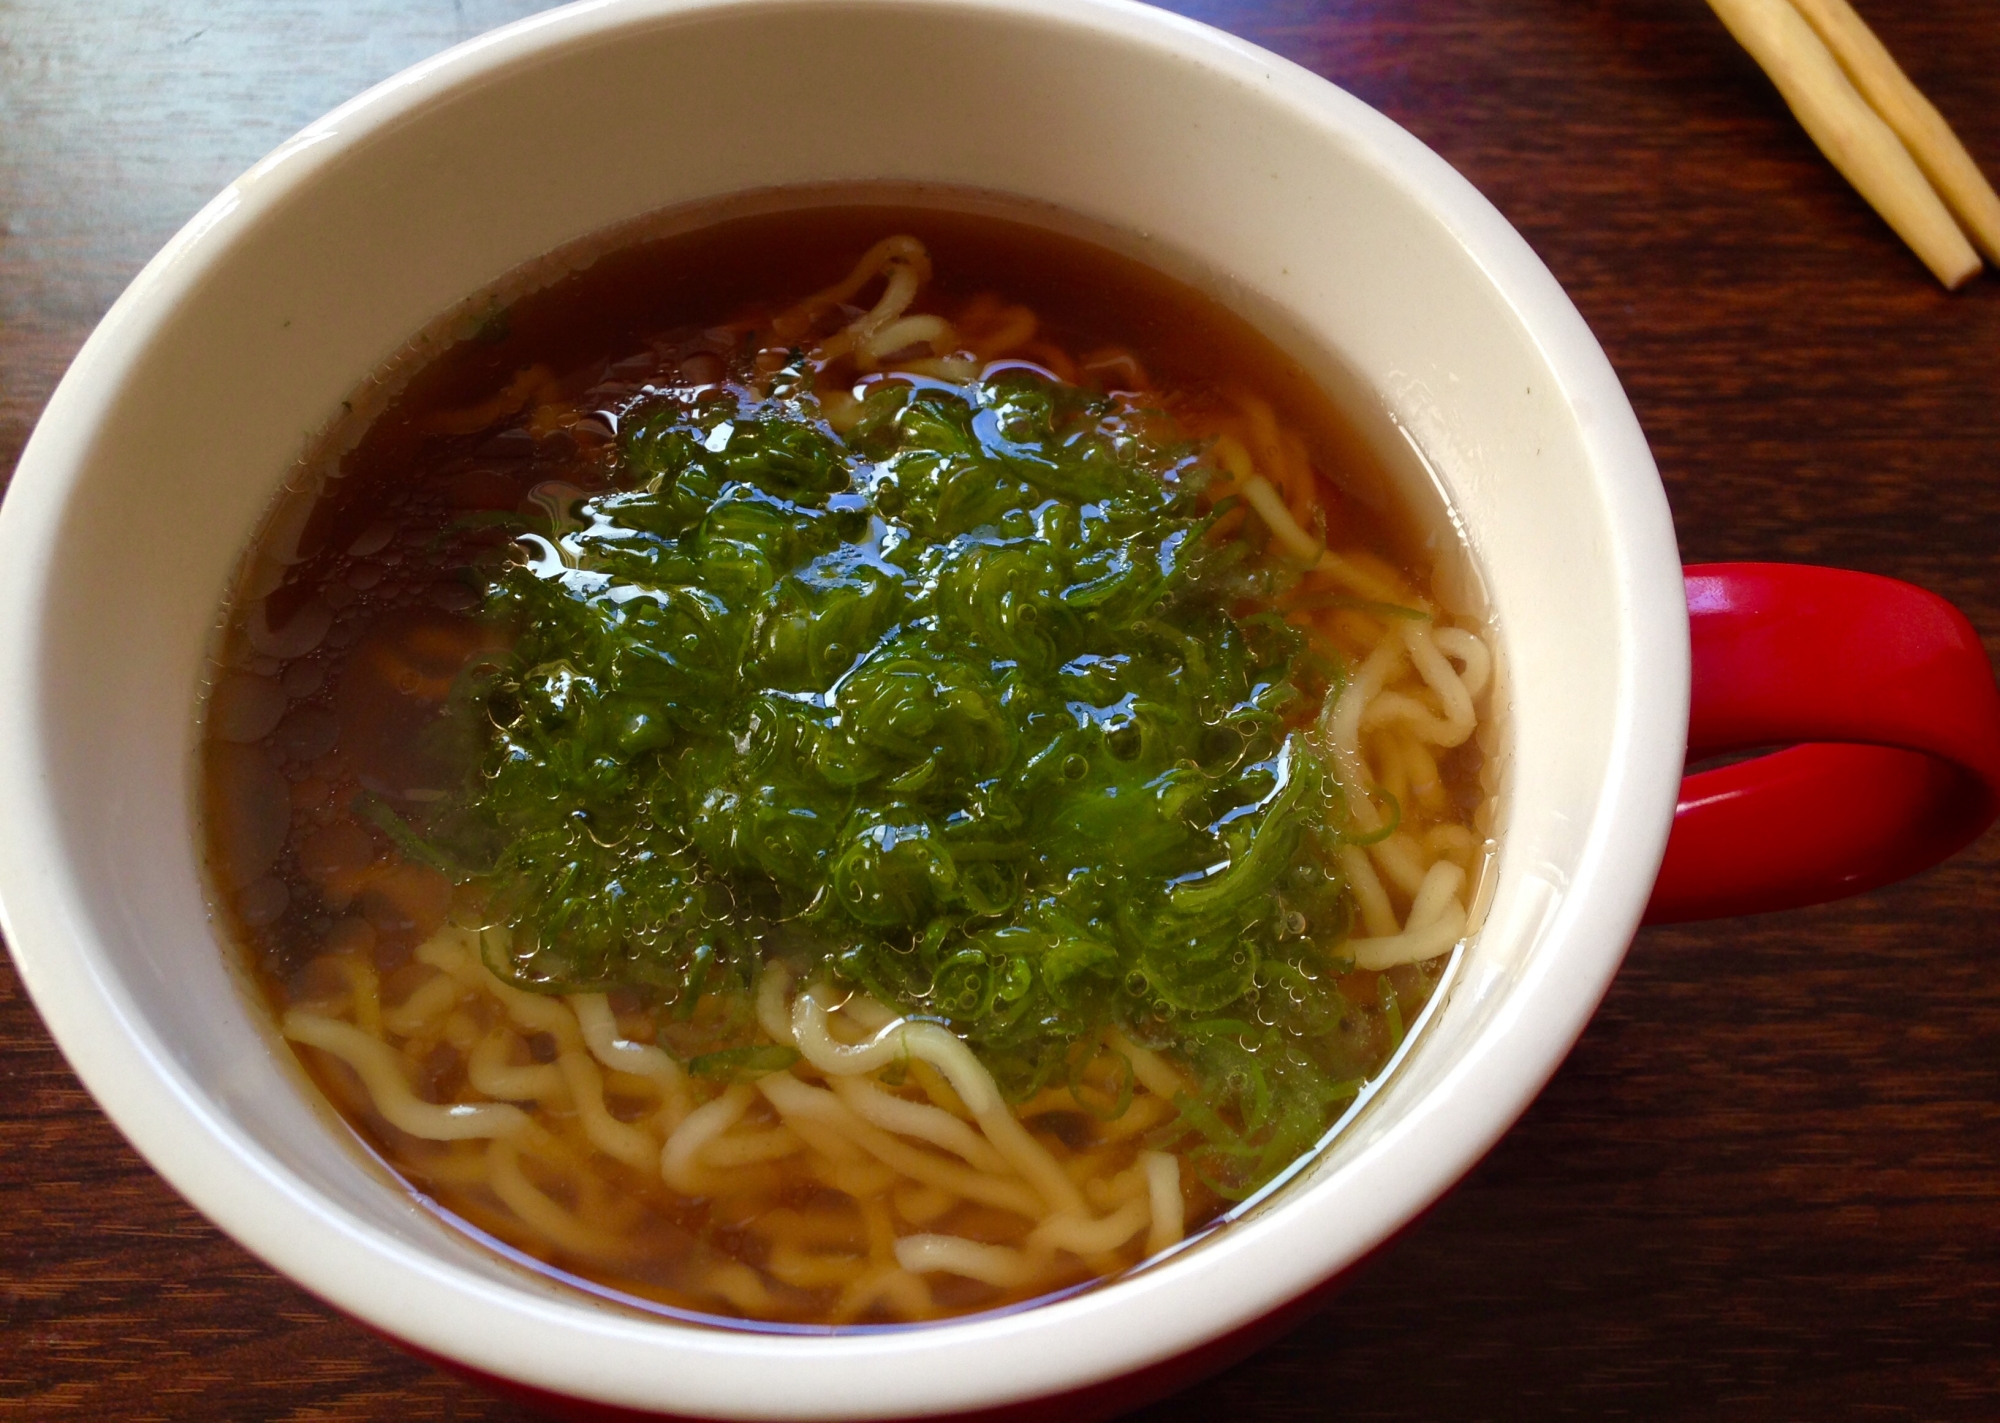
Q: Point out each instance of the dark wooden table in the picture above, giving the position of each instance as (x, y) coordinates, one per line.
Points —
(1767, 1182)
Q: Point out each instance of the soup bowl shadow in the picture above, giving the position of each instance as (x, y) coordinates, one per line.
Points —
(1355, 248)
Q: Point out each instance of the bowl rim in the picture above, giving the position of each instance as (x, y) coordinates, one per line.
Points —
(584, 1351)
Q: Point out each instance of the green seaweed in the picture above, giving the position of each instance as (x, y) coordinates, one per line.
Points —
(957, 708)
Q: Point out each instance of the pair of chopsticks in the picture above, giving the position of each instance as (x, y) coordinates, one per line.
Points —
(1875, 126)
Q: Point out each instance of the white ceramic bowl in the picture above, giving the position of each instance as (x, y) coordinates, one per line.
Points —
(1316, 216)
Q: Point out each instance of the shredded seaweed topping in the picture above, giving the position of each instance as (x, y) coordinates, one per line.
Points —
(965, 706)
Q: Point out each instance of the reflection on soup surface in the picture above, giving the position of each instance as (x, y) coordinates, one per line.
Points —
(849, 766)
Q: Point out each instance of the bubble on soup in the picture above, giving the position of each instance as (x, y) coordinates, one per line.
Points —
(249, 811)
(243, 707)
(290, 634)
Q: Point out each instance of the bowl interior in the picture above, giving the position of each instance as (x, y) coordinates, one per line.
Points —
(1348, 242)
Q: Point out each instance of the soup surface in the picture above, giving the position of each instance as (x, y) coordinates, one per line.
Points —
(849, 766)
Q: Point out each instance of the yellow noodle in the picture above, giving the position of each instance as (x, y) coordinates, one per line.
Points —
(462, 1031)
(935, 1044)
(1265, 445)
(1399, 708)
(1340, 727)
(624, 1084)
(619, 1140)
(600, 1033)
(1376, 914)
(1296, 542)
(932, 331)
(867, 1014)
(938, 1090)
(900, 248)
(430, 1000)
(364, 987)
(881, 1228)
(1145, 1113)
(487, 1068)
(1426, 785)
(671, 1114)
(1392, 776)
(1017, 328)
(1348, 571)
(450, 949)
(859, 1179)
(1356, 628)
(1049, 1099)
(840, 409)
(1154, 1072)
(1470, 649)
(995, 1265)
(1437, 896)
(1166, 1208)
(1115, 362)
(1229, 453)
(1092, 1167)
(906, 1118)
(1028, 1157)
(1401, 861)
(740, 1286)
(453, 1168)
(1107, 1193)
(703, 1125)
(897, 293)
(1426, 941)
(774, 1009)
(801, 1270)
(1083, 1236)
(742, 1149)
(525, 386)
(822, 1135)
(805, 1105)
(1436, 922)
(1451, 842)
(379, 1067)
(535, 1208)
(1304, 498)
(1443, 679)
(920, 1205)
(952, 368)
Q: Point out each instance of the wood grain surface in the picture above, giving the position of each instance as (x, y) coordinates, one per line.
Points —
(1767, 1182)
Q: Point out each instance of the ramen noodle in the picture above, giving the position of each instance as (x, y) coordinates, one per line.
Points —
(845, 767)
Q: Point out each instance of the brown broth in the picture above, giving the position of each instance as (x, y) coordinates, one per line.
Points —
(355, 615)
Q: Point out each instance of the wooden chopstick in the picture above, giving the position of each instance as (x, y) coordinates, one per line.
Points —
(1914, 118)
(1852, 135)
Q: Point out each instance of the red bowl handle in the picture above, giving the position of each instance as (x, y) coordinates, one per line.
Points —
(1885, 702)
